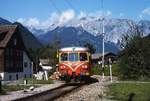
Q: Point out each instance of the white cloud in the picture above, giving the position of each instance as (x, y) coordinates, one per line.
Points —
(141, 16)
(121, 14)
(82, 14)
(33, 22)
(106, 13)
(54, 18)
(51, 20)
(145, 12)
(60, 19)
(66, 16)
(21, 20)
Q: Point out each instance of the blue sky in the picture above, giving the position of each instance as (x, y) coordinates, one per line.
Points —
(43, 9)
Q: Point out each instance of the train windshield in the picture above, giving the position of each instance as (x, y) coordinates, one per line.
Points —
(73, 57)
(64, 57)
(83, 57)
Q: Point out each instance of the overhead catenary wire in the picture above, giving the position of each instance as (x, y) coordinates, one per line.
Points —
(71, 5)
(54, 5)
(102, 6)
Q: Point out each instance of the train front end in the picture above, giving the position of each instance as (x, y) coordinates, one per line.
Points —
(74, 63)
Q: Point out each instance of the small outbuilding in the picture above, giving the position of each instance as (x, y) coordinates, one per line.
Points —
(97, 57)
(44, 63)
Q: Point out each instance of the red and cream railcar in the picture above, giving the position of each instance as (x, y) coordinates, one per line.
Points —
(74, 63)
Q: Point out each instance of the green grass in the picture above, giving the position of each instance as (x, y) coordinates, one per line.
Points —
(9, 88)
(30, 81)
(121, 91)
(98, 70)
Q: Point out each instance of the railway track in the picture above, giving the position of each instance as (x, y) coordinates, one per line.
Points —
(52, 94)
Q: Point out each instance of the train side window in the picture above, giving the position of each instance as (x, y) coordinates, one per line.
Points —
(64, 57)
(83, 57)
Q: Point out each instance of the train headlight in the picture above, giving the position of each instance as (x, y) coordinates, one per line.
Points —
(62, 67)
(85, 66)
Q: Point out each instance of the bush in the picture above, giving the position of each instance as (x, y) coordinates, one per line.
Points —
(97, 70)
(134, 60)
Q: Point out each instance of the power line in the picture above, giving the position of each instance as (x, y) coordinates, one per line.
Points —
(54, 5)
(71, 5)
(102, 5)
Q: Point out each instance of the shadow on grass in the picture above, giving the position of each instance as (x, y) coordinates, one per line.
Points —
(131, 95)
(93, 80)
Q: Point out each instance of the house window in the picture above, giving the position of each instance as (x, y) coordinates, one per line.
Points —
(20, 63)
(25, 76)
(16, 76)
(11, 51)
(30, 75)
(15, 41)
(20, 53)
(17, 64)
(17, 52)
(10, 77)
(11, 63)
(25, 64)
(31, 65)
(7, 51)
(7, 63)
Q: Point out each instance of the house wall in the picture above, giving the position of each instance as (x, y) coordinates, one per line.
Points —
(1, 60)
(11, 76)
(27, 65)
(27, 70)
(13, 59)
(113, 59)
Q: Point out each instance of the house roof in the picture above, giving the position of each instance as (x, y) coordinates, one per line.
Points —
(6, 31)
(73, 49)
(99, 55)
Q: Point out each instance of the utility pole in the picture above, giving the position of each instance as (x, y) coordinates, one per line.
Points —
(0, 83)
(110, 67)
(32, 71)
(103, 45)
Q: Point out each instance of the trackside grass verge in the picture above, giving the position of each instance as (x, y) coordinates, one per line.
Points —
(20, 85)
(33, 81)
(130, 91)
(9, 88)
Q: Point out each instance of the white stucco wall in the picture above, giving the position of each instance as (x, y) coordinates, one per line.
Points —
(28, 69)
(13, 76)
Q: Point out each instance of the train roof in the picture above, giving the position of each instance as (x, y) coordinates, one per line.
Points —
(68, 49)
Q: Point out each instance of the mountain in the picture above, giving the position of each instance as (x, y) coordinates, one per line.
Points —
(144, 26)
(76, 36)
(29, 39)
(36, 31)
(114, 28)
(90, 29)
(3, 21)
